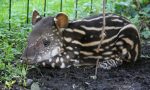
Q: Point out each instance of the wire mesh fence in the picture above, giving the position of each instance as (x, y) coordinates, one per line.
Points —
(45, 7)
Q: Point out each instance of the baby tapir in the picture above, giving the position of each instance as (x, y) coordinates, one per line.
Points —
(58, 42)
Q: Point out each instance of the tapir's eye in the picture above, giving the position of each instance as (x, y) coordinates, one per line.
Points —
(46, 43)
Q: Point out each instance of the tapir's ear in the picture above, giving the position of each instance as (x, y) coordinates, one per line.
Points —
(35, 17)
(61, 20)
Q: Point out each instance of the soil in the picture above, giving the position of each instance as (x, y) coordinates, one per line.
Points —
(125, 77)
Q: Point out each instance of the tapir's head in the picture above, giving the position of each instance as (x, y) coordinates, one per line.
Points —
(44, 42)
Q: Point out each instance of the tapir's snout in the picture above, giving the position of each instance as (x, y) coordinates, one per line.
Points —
(25, 60)
(28, 57)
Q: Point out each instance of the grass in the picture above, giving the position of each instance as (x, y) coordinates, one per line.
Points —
(13, 41)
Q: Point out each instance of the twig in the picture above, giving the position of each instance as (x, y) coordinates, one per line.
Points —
(103, 35)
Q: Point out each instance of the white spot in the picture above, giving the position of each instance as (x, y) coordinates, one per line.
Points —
(38, 16)
(124, 51)
(91, 36)
(65, 53)
(62, 65)
(111, 44)
(38, 59)
(67, 57)
(114, 48)
(61, 59)
(57, 59)
(43, 64)
(60, 54)
(55, 51)
(112, 56)
(57, 33)
(61, 29)
(53, 65)
(117, 59)
(68, 66)
(50, 60)
(55, 19)
(121, 47)
(69, 48)
(75, 52)
(106, 47)
(75, 61)
(67, 39)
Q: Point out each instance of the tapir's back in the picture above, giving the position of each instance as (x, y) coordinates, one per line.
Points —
(121, 41)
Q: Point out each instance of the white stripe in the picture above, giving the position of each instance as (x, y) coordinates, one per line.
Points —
(124, 28)
(99, 17)
(130, 42)
(104, 41)
(129, 55)
(116, 20)
(107, 53)
(89, 20)
(94, 42)
(137, 53)
(100, 29)
(77, 42)
(94, 57)
(133, 26)
(86, 53)
(79, 31)
(98, 50)
(119, 43)
(69, 30)
(106, 58)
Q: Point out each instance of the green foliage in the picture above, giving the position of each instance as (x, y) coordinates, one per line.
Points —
(13, 41)
(137, 12)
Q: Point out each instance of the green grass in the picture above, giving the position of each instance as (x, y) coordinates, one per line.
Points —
(13, 41)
